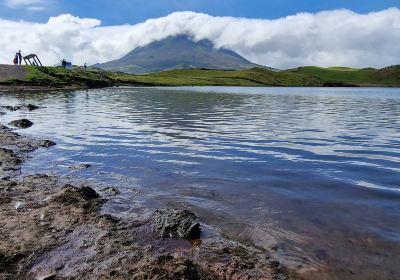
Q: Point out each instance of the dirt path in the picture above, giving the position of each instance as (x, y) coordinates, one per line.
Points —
(12, 72)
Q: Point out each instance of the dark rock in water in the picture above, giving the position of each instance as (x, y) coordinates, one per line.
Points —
(46, 143)
(23, 123)
(89, 193)
(177, 224)
(31, 107)
(111, 191)
(2, 113)
(11, 108)
(82, 166)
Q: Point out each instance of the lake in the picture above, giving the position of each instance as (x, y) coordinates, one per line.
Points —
(311, 174)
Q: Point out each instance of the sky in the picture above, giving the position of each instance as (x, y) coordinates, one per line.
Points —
(276, 33)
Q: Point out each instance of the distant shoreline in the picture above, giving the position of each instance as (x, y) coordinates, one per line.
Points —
(32, 78)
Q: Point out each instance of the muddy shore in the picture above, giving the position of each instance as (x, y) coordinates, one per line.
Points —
(53, 229)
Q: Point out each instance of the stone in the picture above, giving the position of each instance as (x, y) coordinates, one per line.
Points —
(177, 224)
(31, 107)
(82, 166)
(49, 276)
(46, 143)
(6, 153)
(111, 191)
(23, 123)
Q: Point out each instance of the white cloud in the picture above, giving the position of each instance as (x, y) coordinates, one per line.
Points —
(338, 37)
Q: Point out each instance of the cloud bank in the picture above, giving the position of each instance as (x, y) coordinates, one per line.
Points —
(329, 38)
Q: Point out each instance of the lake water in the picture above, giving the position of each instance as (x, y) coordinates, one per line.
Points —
(312, 173)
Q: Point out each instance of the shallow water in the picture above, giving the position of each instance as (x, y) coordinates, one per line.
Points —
(313, 174)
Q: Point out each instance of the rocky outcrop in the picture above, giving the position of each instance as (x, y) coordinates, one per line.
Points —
(46, 143)
(177, 224)
(23, 123)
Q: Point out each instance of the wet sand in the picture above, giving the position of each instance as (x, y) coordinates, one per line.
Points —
(52, 228)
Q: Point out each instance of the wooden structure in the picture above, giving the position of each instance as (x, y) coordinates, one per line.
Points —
(32, 59)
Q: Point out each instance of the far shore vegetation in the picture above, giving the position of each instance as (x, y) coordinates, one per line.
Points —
(299, 77)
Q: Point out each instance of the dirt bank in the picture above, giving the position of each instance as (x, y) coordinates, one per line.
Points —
(52, 229)
(12, 72)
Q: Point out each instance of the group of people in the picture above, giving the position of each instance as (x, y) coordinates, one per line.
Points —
(18, 58)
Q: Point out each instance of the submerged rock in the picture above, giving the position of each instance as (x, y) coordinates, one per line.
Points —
(111, 191)
(23, 123)
(11, 108)
(31, 107)
(177, 224)
(46, 143)
(81, 166)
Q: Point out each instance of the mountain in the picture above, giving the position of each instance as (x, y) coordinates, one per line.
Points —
(179, 52)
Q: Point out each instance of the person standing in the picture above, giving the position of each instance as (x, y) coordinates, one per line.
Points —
(19, 55)
(85, 66)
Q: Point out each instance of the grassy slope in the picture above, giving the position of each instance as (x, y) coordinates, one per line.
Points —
(303, 76)
(199, 77)
(60, 77)
(389, 76)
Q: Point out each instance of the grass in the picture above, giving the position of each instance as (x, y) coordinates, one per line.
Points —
(204, 77)
(60, 77)
(389, 76)
(303, 76)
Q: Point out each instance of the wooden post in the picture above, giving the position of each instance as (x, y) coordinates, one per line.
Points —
(39, 61)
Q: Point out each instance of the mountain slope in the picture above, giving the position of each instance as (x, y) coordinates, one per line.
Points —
(178, 52)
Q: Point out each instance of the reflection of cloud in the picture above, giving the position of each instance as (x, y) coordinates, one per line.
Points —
(339, 37)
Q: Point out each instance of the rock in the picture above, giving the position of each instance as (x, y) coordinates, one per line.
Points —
(49, 276)
(11, 108)
(23, 123)
(89, 193)
(31, 107)
(19, 205)
(110, 191)
(177, 224)
(82, 166)
(274, 264)
(73, 195)
(46, 143)
(6, 153)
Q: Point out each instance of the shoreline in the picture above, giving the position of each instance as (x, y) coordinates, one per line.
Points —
(53, 229)
(54, 78)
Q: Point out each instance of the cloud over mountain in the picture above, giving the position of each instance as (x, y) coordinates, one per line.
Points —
(338, 37)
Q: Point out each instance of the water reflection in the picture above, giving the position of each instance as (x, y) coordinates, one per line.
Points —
(312, 173)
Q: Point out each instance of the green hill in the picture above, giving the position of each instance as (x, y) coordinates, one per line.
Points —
(303, 76)
(299, 77)
(389, 76)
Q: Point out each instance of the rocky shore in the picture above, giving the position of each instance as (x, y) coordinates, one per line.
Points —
(51, 228)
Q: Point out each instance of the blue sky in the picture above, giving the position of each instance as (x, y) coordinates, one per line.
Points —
(116, 12)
